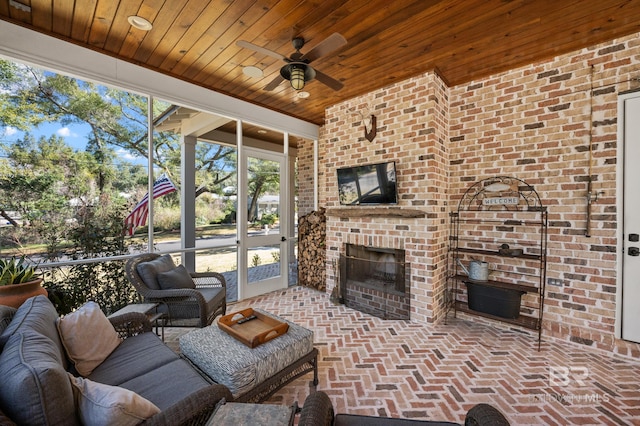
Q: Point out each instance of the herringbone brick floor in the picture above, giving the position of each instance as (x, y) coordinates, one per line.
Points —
(401, 369)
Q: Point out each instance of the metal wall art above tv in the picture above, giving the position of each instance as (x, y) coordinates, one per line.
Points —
(368, 184)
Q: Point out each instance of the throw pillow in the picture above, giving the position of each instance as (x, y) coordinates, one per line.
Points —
(149, 271)
(98, 404)
(176, 278)
(88, 337)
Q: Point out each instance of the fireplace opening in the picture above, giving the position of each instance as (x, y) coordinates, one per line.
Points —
(374, 280)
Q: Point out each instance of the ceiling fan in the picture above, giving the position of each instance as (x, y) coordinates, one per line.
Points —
(297, 70)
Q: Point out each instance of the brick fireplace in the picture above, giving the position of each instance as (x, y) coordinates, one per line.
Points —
(374, 280)
(412, 132)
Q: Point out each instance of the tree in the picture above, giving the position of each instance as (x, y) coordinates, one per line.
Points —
(43, 181)
(215, 168)
(264, 177)
(117, 119)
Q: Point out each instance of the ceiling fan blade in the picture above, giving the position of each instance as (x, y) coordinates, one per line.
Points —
(274, 83)
(326, 46)
(329, 81)
(256, 48)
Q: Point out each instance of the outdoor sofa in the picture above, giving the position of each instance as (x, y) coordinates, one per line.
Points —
(40, 385)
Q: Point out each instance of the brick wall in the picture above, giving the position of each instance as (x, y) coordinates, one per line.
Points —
(305, 177)
(532, 123)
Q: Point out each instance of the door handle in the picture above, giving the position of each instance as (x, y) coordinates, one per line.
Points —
(634, 238)
(283, 239)
(633, 251)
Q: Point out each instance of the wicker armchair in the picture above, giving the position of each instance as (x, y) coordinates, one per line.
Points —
(183, 306)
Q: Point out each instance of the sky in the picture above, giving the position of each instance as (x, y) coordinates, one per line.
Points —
(74, 135)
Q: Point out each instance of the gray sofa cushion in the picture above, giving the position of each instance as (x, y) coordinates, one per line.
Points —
(35, 388)
(134, 357)
(178, 277)
(38, 314)
(149, 270)
(183, 380)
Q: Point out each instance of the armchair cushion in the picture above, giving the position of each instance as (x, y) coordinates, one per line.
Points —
(178, 277)
(213, 296)
(149, 271)
(88, 337)
(99, 404)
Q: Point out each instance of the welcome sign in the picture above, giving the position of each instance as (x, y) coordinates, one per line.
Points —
(500, 201)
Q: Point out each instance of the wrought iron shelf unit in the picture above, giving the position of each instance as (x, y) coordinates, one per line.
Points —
(496, 253)
(492, 213)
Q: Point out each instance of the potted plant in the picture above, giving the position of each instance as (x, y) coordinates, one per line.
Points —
(19, 280)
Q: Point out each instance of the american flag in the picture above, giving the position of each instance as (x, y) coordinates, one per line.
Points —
(138, 217)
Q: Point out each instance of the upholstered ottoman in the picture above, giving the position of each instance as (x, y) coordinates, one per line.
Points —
(252, 375)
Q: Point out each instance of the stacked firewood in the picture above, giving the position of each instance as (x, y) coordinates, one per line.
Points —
(312, 250)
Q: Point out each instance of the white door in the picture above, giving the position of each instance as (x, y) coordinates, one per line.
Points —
(631, 222)
(263, 239)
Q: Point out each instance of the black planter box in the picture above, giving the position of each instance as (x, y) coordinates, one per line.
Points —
(504, 303)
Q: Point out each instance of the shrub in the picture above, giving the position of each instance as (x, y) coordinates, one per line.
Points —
(97, 233)
(268, 219)
(166, 218)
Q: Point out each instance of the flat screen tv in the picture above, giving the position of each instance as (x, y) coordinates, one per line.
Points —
(368, 184)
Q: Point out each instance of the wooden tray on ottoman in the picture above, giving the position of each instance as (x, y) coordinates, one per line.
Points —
(251, 327)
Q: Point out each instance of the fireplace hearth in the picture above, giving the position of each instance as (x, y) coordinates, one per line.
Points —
(374, 280)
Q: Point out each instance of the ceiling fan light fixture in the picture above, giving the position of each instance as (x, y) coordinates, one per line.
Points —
(297, 77)
(298, 70)
(139, 22)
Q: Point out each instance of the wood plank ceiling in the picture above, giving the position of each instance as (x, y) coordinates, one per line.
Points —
(387, 41)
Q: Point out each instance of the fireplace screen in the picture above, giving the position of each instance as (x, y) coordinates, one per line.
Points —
(374, 281)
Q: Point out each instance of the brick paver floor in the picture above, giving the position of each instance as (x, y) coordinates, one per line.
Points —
(401, 369)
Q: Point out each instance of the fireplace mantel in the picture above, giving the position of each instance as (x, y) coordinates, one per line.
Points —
(359, 211)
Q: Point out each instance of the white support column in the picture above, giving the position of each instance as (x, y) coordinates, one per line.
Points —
(150, 177)
(188, 200)
(241, 213)
(290, 164)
